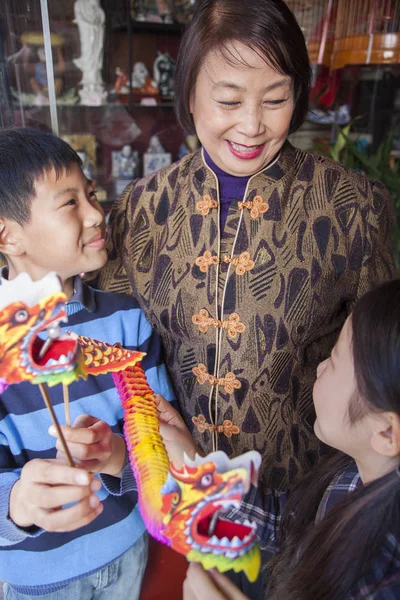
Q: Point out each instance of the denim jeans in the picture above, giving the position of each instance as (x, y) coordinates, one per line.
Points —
(120, 580)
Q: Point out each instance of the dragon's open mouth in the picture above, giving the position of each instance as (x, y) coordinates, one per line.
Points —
(221, 536)
(61, 351)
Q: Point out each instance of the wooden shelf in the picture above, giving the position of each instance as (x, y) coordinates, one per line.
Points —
(151, 27)
(102, 107)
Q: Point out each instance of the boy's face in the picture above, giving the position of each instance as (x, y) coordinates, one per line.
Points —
(66, 232)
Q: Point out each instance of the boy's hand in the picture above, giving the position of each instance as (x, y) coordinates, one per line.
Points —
(93, 446)
(175, 434)
(44, 487)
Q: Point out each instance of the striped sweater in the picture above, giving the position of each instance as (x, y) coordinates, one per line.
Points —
(33, 558)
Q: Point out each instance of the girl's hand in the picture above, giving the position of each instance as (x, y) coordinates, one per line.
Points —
(200, 584)
(175, 434)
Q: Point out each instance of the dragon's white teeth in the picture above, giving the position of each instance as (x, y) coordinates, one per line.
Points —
(187, 531)
(236, 542)
(51, 362)
(247, 522)
(62, 360)
(214, 541)
(247, 538)
(225, 541)
(231, 554)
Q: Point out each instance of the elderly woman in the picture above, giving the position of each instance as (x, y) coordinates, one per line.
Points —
(248, 255)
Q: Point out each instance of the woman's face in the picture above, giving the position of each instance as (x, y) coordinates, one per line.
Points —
(334, 391)
(242, 111)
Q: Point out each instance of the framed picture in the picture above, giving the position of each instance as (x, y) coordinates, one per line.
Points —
(83, 142)
(154, 161)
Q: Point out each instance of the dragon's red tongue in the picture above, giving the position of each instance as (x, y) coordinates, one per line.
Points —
(223, 529)
(56, 349)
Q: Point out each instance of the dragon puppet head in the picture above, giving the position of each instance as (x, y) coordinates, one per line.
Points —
(30, 312)
(196, 497)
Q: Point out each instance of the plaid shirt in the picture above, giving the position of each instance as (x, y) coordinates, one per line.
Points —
(382, 582)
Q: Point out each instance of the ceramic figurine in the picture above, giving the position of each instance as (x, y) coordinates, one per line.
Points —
(87, 166)
(34, 61)
(163, 73)
(165, 10)
(155, 158)
(124, 162)
(90, 18)
(142, 84)
(121, 85)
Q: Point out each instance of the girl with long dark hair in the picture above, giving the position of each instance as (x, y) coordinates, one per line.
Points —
(339, 536)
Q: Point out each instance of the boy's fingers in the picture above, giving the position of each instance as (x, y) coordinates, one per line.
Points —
(54, 472)
(81, 452)
(51, 497)
(89, 434)
(71, 518)
(85, 421)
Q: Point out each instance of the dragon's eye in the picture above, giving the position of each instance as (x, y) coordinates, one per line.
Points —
(206, 480)
(21, 316)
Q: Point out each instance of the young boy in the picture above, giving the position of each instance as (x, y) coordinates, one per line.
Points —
(96, 547)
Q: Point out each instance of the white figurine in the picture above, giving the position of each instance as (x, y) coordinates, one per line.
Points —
(124, 162)
(90, 18)
(155, 146)
(155, 158)
(139, 75)
(87, 166)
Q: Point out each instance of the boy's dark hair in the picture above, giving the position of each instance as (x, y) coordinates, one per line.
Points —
(25, 156)
(268, 26)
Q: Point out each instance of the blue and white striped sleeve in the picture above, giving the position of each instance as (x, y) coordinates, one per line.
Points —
(10, 533)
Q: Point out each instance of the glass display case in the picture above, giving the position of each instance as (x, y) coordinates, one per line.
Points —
(98, 77)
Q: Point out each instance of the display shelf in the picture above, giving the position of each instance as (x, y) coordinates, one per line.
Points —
(103, 107)
(151, 27)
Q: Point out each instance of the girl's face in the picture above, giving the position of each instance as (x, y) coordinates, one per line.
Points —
(241, 111)
(334, 390)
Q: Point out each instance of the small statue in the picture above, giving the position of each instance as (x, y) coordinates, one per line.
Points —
(142, 83)
(87, 166)
(139, 75)
(155, 158)
(165, 10)
(121, 82)
(138, 10)
(155, 146)
(34, 61)
(90, 18)
(124, 162)
(163, 72)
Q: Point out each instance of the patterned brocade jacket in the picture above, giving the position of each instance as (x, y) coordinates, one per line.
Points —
(246, 317)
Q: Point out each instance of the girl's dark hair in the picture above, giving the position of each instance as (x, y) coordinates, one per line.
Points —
(268, 26)
(25, 156)
(325, 560)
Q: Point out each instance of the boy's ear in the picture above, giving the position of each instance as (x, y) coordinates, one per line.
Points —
(10, 243)
(386, 438)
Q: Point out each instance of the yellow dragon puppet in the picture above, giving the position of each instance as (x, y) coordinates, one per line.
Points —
(184, 508)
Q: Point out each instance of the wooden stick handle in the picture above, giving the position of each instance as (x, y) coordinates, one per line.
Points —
(66, 405)
(47, 400)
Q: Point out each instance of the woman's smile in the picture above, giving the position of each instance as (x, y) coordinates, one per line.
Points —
(245, 152)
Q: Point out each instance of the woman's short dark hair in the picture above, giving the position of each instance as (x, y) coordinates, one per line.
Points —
(268, 26)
